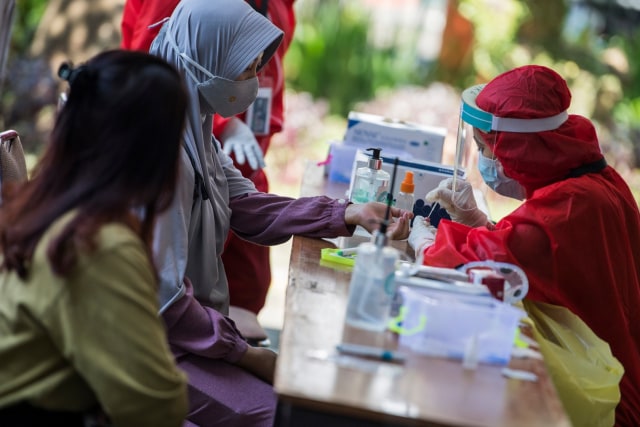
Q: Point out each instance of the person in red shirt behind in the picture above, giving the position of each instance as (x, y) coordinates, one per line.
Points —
(249, 271)
(577, 233)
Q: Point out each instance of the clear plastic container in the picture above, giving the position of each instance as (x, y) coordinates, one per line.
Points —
(439, 323)
(372, 287)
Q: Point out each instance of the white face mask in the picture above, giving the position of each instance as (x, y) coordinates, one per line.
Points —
(217, 94)
(493, 175)
(227, 97)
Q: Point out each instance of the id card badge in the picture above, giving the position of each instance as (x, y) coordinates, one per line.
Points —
(258, 116)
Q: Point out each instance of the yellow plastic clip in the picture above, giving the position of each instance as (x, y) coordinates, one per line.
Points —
(339, 256)
(395, 324)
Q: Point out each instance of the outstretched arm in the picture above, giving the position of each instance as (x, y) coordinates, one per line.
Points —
(269, 219)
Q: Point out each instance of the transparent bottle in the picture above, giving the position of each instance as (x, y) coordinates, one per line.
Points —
(372, 287)
(405, 198)
(371, 182)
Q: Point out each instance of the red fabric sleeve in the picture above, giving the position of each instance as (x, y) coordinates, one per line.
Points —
(129, 19)
(136, 18)
(220, 124)
(578, 241)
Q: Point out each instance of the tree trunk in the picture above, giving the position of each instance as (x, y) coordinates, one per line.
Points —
(545, 24)
(456, 52)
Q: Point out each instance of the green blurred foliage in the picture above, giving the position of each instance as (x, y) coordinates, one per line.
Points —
(332, 56)
(26, 19)
(627, 111)
(532, 31)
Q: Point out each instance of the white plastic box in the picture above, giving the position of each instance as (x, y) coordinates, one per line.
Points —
(406, 139)
(445, 324)
(426, 175)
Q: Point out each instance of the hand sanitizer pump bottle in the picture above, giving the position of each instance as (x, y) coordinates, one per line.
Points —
(371, 182)
(372, 287)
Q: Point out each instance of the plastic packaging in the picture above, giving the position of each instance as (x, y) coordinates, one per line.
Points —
(507, 282)
(585, 373)
(372, 287)
(471, 328)
(371, 182)
(405, 198)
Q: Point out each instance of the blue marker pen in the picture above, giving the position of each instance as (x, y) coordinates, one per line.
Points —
(368, 351)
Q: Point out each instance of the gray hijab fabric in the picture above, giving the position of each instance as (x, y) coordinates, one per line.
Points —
(224, 37)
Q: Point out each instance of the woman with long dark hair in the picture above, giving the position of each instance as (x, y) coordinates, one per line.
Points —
(79, 327)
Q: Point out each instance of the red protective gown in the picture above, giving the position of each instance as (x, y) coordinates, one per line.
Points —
(247, 265)
(578, 239)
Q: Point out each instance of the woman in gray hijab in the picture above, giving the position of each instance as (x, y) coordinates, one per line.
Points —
(219, 46)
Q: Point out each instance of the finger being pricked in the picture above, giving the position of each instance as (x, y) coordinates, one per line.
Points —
(400, 226)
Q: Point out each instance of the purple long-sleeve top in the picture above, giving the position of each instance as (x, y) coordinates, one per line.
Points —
(268, 219)
(195, 326)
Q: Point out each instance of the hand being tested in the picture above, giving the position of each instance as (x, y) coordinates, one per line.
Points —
(261, 362)
(422, 234)
(460, 205)
(370, 215)
(238, 138)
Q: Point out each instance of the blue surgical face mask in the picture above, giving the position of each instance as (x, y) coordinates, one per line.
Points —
(493, 175)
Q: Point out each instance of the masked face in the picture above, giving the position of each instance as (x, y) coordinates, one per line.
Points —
(217, 94)
(227, 97)
(493, 175)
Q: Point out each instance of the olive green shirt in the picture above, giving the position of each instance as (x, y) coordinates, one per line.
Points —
(93, 337)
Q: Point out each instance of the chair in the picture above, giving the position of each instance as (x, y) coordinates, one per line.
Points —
(13, 167)
(247, 323)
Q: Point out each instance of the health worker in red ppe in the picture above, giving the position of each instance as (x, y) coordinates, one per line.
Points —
(245, 137)
(577, 232)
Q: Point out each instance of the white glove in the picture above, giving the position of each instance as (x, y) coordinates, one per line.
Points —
(239, 138)
(422, 235)
(460, 205)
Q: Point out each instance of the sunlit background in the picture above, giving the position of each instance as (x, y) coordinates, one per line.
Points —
(404, 59)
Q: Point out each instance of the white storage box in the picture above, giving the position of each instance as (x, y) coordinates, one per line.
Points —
(426, 175)
(341, 158)
(409, 140)
(448, 324)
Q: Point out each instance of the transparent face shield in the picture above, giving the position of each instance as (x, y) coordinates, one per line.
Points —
(483, 127)
(474, 128)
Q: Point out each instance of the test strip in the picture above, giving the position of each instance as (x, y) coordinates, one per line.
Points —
(433, 208)
(347, 251)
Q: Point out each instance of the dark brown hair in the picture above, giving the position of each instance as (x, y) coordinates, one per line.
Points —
(112, 155)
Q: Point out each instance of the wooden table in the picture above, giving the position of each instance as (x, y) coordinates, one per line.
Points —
(318, 387)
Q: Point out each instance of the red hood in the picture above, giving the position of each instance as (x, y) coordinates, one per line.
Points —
(538, 159)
